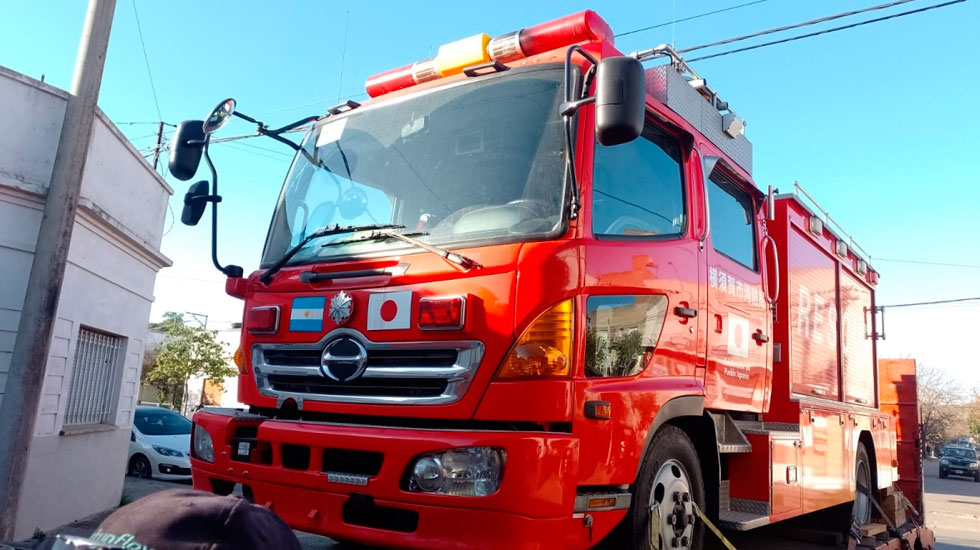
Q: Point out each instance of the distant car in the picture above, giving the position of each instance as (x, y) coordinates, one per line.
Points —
(959, 460)
(159, 445)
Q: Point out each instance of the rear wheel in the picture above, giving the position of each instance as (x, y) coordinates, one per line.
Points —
(662, 515)
(863, 491)
(139, 466)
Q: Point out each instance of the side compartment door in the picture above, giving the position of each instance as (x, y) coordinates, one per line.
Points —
(739, 323)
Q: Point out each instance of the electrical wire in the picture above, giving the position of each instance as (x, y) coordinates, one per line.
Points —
(932, 303)
(796, 25)
(147, 60)
(816, 33)
(691, 18)
(919, 262)
(153, 123)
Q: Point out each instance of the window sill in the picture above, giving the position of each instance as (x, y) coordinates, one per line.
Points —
(88, 429)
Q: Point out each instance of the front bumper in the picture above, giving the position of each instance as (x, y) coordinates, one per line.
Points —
(533, 508)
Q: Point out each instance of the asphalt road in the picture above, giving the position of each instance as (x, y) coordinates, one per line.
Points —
(952, 510)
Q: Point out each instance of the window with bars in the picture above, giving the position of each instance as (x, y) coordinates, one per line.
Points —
(92, 397)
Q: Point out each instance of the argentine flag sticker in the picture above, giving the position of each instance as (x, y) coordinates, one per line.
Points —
(307, 314)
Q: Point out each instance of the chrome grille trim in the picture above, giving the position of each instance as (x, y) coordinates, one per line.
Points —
(457, 376)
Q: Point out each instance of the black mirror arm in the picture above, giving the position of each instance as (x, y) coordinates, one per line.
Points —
(228, 270)
(573, 101)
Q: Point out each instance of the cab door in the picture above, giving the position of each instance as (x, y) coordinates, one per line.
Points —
(738, 321)
(641, 297)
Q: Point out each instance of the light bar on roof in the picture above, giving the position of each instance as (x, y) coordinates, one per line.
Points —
(585, 26)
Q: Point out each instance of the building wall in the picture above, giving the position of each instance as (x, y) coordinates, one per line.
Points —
(112, 264)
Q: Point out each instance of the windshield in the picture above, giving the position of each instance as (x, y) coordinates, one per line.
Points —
(478, 162)
(969, 454)
(161, 422)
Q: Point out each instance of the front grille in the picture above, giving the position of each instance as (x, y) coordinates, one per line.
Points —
(408, 387)
(394, 372)
(376, 358)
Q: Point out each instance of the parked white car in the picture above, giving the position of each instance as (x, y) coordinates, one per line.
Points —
(160, 444)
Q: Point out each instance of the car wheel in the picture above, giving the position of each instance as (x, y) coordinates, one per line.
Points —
(139, 466)
(668, 486)
(942, 474)
(863, 489)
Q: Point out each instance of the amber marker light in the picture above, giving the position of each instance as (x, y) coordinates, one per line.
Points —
(544, 349)
(239, 358)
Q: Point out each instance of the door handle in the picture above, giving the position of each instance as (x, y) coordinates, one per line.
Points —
(687, 312)
(758, 336)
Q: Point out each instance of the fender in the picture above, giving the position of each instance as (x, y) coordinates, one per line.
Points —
(685, 405)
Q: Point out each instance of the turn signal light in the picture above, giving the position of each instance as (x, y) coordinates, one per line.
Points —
(239, 358)
(545, 348)
(442, 313)
(262, 320)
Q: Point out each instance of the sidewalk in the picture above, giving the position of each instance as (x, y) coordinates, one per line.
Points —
(136, 488)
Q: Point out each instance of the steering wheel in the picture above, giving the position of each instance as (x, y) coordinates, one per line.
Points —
(619, 225)
(534, 205)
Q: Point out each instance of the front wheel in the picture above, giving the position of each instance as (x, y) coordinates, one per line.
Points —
(139, 466)
(943, 474)
(662, 515)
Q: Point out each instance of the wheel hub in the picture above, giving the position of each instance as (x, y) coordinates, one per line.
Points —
(672, 514)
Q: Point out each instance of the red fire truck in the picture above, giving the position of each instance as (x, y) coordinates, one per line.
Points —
(529, 296)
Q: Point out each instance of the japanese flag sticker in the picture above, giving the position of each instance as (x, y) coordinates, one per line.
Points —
(389, 310)
(738, 336)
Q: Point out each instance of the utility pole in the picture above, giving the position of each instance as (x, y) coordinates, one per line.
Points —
(156, 150)
(18, 406)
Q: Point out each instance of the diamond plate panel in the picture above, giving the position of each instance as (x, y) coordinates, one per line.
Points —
(671, 89)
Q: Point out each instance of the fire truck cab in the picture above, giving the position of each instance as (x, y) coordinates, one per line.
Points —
(529, 296)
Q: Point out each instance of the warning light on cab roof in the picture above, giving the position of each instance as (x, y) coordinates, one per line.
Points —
(452, 58)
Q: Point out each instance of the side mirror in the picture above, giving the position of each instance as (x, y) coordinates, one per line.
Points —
(195, 201)
(620, 100)
(186, 149)
(219, 116)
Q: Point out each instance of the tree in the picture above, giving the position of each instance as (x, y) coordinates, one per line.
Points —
(185, 352)
(939, 395)
(973, 418)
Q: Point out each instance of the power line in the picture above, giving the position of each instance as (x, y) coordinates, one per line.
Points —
(796, 25)
(683, 19)
(919, 262)
(343, 56)
(825, 31)
(147, 60)
(135, 123)
(934, 302)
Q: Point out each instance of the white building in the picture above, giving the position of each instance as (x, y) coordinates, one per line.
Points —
(84, 418)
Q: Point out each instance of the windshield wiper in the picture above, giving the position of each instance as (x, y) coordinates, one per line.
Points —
(458, 260)
(322, 232)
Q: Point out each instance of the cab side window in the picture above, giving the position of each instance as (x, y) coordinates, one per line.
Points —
(732, 219)
(638, 188)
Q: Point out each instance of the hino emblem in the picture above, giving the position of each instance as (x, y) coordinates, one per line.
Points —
(341, 307)
(343, 359)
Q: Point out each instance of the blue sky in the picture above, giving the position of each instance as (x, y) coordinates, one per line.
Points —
(878, 122)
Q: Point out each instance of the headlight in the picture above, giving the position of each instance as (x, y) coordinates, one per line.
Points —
(203, 446)
(473, 471)
(944, 462)
(166, 451)
(974, 464)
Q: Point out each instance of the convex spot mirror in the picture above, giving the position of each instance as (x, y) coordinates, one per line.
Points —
(186, 149)
(219, 116)
(620, 100)
(195, 201)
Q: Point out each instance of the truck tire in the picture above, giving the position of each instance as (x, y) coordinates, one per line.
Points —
(671, 480)
(863, 488)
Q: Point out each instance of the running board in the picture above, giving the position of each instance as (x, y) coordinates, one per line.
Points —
(744, 514)
(730, 438)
